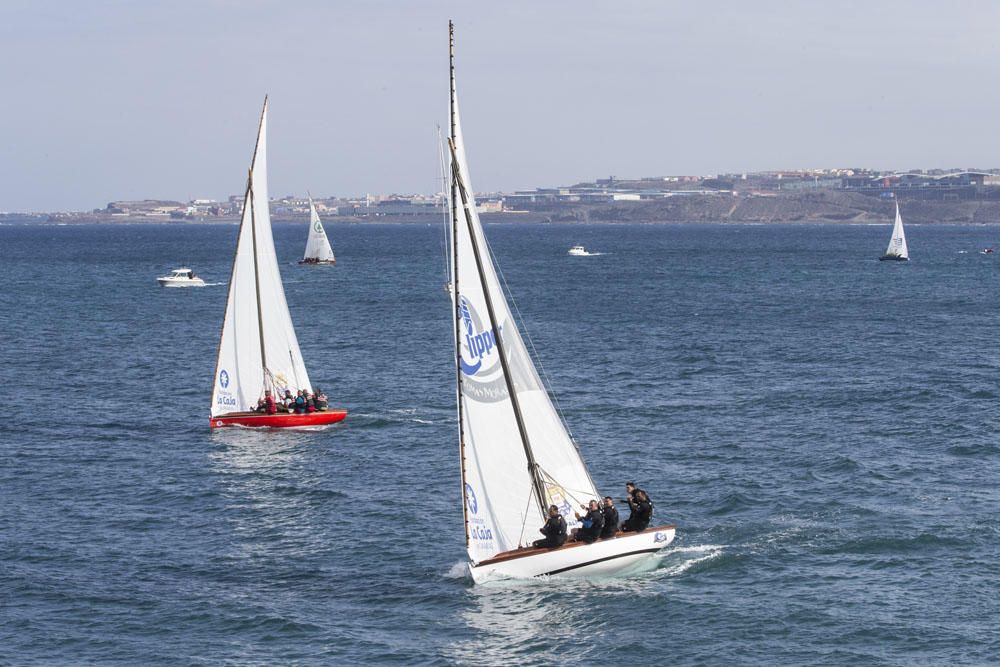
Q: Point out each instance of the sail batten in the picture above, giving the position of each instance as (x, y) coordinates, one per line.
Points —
(258, 348)
(510, 432)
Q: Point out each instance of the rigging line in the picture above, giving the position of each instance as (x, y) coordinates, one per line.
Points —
(587, 495)
(444, 204)
(547, 380)
(524, 519)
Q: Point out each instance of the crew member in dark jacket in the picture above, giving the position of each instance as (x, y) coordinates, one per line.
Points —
(610, 518)
(629, 494)
(593, 524)
(641, 512)
(321, 401)
(554, 530)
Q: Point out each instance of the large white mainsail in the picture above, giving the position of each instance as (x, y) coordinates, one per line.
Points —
(317, 246)
(258, 349)
(503, 509)
(897, 244)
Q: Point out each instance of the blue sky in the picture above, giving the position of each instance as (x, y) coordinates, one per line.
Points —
(120, 99)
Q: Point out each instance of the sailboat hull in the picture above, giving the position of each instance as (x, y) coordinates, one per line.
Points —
(895, 258)
(627, 553)
(326, 262)
(279, 420)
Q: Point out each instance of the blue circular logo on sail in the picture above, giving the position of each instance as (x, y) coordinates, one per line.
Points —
(470, 498)
(478, 343)
(223, 378)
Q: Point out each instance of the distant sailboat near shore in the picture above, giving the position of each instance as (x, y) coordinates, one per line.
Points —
(258, 349)
(897, 249)
(318, 250)
(517, 457)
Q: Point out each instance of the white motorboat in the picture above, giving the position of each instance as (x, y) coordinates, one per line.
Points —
(517, 457)
(578, 251)
(182, 277)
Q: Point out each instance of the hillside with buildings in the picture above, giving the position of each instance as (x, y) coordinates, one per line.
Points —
(830, 196)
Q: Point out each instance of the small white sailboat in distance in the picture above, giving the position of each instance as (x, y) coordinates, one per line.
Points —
(517, 457)
(897, 249)
(318, 250)
(259, 358)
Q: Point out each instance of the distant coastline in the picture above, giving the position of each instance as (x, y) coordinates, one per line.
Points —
(855, 196)
(800, 207)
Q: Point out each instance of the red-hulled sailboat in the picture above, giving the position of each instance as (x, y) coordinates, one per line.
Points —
(258, 352)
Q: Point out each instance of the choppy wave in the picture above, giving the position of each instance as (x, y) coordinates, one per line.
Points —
(820, 428)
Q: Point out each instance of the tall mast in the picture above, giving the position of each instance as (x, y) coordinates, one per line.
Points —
(536, 479)
(454, 280)
(256, 281)
(451, 114)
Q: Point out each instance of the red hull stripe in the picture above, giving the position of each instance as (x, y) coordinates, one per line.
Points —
(282, 420)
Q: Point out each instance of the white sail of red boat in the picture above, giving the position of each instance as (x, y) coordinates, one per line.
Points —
(259, 353)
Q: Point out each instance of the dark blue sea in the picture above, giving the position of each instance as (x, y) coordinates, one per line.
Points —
(823, 428)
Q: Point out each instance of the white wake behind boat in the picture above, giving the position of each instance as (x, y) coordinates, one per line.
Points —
(897, 249)
(318, 250)
(182, 277)
(517, 457)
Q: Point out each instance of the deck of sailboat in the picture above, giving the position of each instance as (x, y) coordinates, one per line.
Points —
(533, 551)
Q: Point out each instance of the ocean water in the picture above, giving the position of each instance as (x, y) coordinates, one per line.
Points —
(821, 427)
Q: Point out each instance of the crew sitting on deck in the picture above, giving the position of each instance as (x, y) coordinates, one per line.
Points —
(311, 403)
(554, 530)
(321, 401)
(300, 403)
(593, 524)
(610, 518)
(641, 509)
(288, 400)
(266, 404)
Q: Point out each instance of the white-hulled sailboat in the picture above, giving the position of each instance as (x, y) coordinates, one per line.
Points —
(318, 250)
(517, 457)
(258, 351)
(897, 249)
